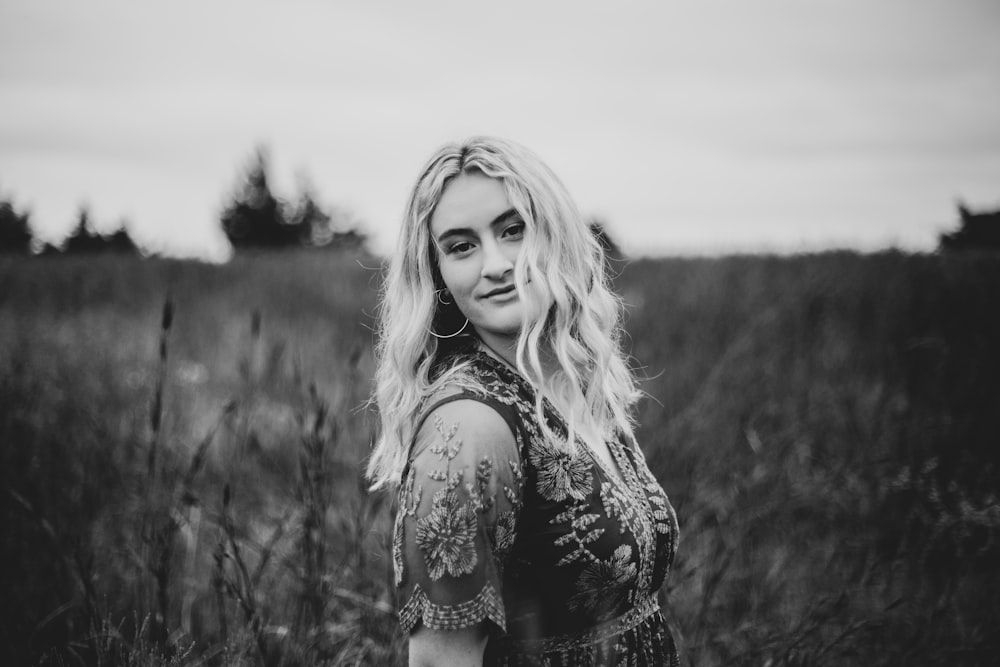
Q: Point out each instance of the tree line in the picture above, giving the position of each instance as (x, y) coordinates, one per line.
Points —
(254, 217)
(976, 230)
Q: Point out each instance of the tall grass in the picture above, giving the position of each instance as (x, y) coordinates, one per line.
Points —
(829, 431)
(181, 476)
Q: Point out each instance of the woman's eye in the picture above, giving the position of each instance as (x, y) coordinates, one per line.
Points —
(459, 247)
(515, 231)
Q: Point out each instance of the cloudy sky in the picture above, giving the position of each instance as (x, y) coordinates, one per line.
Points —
(688, 126)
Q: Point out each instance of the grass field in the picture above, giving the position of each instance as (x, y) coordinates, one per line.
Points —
(181, 448)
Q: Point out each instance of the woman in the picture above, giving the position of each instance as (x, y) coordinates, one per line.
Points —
(529, 529)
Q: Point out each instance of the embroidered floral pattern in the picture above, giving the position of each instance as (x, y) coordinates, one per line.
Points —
(397, 550)
(537, 541)
(479, 491)
(486, 604)
(604, 585)
(409, 500)
(618, 506)
(560, 475)
(447, 534)
(503, 536)
(581, 533)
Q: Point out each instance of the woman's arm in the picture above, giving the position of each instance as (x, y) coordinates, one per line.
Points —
(461, 648)
(456, 522)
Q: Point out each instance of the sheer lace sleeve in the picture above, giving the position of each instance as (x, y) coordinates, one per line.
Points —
(457, 516)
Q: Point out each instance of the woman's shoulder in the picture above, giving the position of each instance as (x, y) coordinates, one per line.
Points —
(470, 424)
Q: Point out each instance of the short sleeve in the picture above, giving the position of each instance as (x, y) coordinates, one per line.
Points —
(457, 517)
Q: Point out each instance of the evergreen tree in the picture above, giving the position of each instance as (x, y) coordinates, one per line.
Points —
(977, 230)
(120, 241)
(255, 217)
(83, 238)
(15, 232)
(86, 239)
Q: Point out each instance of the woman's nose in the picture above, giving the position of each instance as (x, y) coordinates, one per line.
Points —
(496, 263)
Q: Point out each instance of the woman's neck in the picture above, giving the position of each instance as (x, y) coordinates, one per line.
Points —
(506, 352)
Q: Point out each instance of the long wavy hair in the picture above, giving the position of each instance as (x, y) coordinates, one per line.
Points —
(572, 319)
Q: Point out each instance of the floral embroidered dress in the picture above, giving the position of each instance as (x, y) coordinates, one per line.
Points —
(560, 556)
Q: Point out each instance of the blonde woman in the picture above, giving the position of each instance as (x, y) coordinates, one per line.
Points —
(529, 529)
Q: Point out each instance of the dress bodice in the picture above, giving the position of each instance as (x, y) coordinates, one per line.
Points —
(495, 523)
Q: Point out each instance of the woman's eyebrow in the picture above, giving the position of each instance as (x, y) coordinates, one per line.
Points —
(463, 231)
(502, 218)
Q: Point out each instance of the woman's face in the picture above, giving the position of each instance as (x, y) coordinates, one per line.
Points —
(478, 235)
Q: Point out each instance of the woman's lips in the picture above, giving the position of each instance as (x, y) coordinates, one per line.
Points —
(501, 293)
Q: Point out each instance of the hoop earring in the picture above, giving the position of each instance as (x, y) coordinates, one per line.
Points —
(436, 335)
(439, 293)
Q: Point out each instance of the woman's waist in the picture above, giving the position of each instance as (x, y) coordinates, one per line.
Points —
(528, 634)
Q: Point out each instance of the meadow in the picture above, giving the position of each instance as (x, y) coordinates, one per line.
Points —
(181, 448)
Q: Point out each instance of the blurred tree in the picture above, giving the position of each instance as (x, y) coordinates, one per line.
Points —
(976, 230)
(308, 216)
(83, 238)
(349, 239)
(86, 239)
(15, 232)
(255, 217)
(348, 231)
(120, 241)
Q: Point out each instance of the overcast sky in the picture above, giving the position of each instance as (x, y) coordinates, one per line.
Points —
(689, 127)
